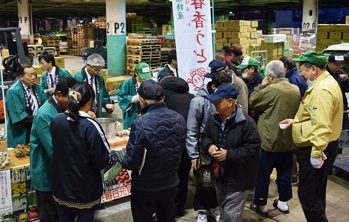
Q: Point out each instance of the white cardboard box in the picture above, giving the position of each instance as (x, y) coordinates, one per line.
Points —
(274, 38)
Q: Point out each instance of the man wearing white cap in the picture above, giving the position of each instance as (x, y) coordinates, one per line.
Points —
(89, 74)
(334, 67)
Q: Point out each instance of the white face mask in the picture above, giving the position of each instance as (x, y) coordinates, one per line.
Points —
(245, 75)
(309, 82)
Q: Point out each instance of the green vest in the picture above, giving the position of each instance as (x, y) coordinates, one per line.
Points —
(16, 112)
(103, 94)
(41, 146)
(61, 74)
(125, 94)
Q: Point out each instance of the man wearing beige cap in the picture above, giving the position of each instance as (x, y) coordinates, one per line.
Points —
(316, 129)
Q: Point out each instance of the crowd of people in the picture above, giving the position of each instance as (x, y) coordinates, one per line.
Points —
(232, 133)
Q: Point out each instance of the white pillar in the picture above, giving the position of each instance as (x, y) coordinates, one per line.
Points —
(116, 36)
(310, 14)
(24, 19)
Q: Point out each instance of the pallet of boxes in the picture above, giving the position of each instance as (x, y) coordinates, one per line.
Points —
(52, 45)
(236, 32)
(143, 50)
(277, 46)
(331, 34)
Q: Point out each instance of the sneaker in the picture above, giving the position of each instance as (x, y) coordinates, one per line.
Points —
(202, 217)
(275, 204)
(256, 209)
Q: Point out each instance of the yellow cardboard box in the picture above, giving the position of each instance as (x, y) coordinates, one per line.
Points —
(3, 146)
(240, 35)
(280, 49)
(219, 35)
(345, 36)
(251, 29)
(253, 35)
(113, 83)
(238, 40)
(5, 53)
(335, 35)
(219, 46)
(254, 23)
(238, 28)
(342, 28)
(60, 62)
(219, 24)
(226, 35)
(224, 40)
(322, 35)
(238, 23)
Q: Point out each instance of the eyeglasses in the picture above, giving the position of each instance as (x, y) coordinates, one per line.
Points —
(96, 70)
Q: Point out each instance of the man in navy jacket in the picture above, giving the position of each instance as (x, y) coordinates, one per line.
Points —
(293, 74)
(153, 153)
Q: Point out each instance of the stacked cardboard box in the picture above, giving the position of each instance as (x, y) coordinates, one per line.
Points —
(52, 41)
(81, 35)
(143, 50)
(274, 50)
(236, 31)
(331, 34)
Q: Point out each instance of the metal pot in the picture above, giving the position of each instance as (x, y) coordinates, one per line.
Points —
(109, 126)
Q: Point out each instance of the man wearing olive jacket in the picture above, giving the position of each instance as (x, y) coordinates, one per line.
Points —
(275, 99)
(316, 129)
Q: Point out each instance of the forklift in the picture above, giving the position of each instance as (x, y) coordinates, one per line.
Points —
(18, 55)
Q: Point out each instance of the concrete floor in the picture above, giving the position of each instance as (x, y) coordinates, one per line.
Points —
(337, 191)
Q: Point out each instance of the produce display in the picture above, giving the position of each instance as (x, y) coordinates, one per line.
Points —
(116, 176)
(22, 150)
(4, 159)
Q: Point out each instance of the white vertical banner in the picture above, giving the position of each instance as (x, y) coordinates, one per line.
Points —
(5, 192)
(192, 22)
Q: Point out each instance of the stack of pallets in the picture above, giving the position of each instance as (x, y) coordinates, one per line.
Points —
(143, 50)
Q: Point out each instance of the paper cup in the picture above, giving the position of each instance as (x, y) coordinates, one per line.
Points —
(283, 126)
(109, 106)
(342, 75)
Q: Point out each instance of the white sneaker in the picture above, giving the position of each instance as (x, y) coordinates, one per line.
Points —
(202, 216)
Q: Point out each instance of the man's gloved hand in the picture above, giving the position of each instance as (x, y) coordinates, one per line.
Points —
(318, 162)
(135, 99)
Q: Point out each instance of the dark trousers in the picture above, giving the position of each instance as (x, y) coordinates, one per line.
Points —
(183, 174)
(205, 198)
(145, 204)
(313, 182)
(46, 207)
(67, 216)
(283, 162)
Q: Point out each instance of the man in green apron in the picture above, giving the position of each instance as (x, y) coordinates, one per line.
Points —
(22, 101)
(52, 74)
(128, 99)
(89, 74)
(41, 148)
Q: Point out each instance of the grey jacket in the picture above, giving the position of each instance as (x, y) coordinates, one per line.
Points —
(243, 91)
(200, 109)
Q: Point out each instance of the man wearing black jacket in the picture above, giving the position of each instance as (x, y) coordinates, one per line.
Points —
(177, 98)
(334, 67)
(234, 160)
(153, 153)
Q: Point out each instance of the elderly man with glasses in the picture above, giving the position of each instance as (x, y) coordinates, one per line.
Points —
(89, 74)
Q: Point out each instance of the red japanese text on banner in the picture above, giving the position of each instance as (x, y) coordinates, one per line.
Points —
(192, 22)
